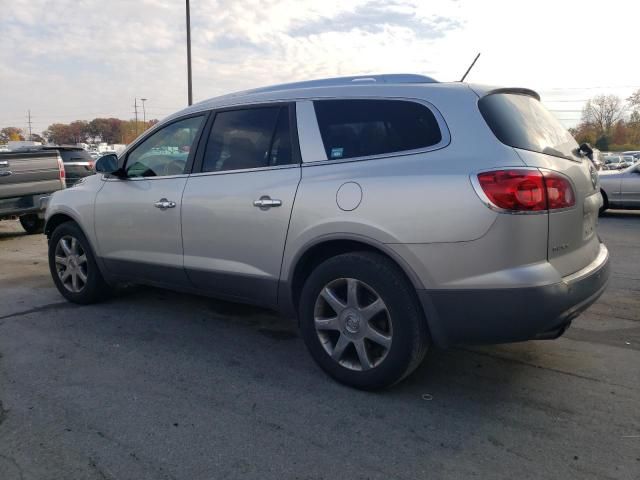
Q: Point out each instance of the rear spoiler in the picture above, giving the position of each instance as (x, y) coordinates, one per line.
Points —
(483, 91)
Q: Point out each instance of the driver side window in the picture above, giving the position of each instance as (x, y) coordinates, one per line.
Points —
(166, 151)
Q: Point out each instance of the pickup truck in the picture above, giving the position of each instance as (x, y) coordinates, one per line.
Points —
(27, 179)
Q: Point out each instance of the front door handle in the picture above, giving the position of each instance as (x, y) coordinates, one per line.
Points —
(266, 202)
(5, 173)
(163, 204)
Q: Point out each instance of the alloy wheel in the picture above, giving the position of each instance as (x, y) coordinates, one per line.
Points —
(71, 264)
(353, 324)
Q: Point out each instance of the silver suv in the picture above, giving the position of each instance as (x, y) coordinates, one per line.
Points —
(387, 214)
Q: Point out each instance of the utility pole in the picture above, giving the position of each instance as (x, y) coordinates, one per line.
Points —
(29, 121)
(189, 89)
(144, 113)
(135, 108)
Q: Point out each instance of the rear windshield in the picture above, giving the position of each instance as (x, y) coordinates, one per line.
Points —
(75, 156)
(521, 121)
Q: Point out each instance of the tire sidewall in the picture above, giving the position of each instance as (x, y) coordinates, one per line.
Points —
(94, 287)
(409, 331)
(32, 223)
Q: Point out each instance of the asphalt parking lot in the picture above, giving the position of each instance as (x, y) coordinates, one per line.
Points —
(158, 385)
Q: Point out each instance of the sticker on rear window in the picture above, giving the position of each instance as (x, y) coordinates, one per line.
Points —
(337, 152)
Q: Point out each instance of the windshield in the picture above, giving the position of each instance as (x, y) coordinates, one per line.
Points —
(521, 121)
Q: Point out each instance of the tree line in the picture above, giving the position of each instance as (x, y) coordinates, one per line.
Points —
(109, 130)
(610, 123)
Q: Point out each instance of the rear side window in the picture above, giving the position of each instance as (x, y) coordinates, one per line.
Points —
(251, 138)
(521, 121)
(360, 128)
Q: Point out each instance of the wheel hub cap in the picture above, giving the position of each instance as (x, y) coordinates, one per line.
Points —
(351, 321)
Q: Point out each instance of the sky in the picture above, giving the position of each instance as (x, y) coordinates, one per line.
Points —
(79, 59)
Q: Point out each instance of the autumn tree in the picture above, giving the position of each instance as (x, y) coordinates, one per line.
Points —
(634, 101)
(603, 111)
(11, 134)
(106, 129)
(79, 131)
(58, 133)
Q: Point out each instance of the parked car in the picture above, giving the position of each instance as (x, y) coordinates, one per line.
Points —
(634, 153)
(621, 188)
(77, 161)
(387, 214)
(614, 162)
(27, 179)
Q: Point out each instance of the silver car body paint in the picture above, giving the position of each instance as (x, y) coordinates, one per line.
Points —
(622, 187)
(418, 207)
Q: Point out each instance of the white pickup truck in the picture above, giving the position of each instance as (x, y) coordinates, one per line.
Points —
(27, 179)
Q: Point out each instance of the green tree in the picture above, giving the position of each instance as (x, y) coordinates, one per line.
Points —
(602, 143)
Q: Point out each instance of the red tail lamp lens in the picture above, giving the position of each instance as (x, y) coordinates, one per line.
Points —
(527, 190)
(518, 190)
(559, 191)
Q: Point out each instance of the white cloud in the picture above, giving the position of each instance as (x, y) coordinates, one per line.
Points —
(80, 59)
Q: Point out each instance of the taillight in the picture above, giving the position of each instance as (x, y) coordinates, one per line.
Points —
(527, 190)
(61, 172)
(559, 191)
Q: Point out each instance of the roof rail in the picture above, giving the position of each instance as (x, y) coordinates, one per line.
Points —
(359, 79)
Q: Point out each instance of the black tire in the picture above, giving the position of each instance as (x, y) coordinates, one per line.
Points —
(605, 203)
(32, 223)
(410, 338)
(95, 288)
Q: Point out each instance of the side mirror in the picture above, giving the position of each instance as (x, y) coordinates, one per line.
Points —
(587, 151)
(107, 164)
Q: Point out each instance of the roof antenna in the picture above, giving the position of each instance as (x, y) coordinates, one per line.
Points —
(470, 67)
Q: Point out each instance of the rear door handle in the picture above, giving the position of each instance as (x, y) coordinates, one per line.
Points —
(267, 202)
(5, 173)
(163, 204)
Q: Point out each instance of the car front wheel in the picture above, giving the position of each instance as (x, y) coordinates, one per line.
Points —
(361, 321)
(73, 266)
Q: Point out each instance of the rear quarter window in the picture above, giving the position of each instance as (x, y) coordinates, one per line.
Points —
(521, 121)
(362, 128)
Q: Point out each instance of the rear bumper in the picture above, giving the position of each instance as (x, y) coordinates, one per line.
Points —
(10, 207)
(485, 316)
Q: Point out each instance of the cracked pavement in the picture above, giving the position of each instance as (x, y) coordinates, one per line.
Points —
(160, 385)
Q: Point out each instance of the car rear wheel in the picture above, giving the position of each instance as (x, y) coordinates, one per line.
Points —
(32, 223)
(73, 266)
(361, 321)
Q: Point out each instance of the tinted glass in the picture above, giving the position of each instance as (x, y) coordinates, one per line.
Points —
(166, 151)
(358, 128)
(521, 121)
(75, 156)
(252, 138)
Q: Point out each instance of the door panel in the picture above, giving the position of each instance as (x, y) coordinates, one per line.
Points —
(136, 239)
(137, 217)
(231, 247)
(631, 188)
